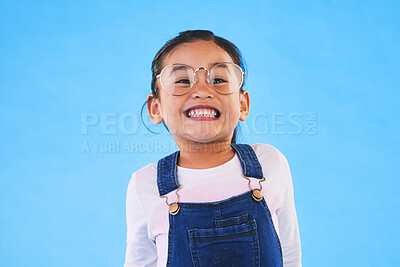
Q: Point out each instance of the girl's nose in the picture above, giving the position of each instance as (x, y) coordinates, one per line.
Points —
(202, 87)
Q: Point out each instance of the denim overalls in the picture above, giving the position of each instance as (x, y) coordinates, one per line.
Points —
(237, 231)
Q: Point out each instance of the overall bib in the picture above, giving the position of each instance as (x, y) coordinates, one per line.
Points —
(237, 231)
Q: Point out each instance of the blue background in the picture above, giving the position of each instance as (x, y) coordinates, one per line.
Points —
(75, 74)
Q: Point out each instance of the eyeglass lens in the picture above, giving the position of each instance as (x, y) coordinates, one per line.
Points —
(225, 78)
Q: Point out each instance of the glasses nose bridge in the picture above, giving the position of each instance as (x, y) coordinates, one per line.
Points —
(207, 76)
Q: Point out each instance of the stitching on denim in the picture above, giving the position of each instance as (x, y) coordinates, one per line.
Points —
(255, 160)
(160, 177)
(273, 229)
(246, 159)
(257, 263)
(193, 250)
(256, 248)
(233, 218)
(210, 239)
(197, 256)
(171, 160)
(246, 147)
(219, 211)
(259, 168)
(231, 221)
(242, 162)
(170, 239)
(174, 169)
(248, 168)
(171, 169)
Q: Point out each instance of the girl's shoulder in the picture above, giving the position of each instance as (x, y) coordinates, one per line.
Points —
(144, 179)
(271, 159)
(268, 152)
(149, 169)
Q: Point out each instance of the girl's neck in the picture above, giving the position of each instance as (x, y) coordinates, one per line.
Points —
(203, 156)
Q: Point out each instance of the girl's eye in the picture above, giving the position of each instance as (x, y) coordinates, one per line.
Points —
(185, 81)
(218, 80)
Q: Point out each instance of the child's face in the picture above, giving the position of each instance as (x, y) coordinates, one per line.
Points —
(173, 109)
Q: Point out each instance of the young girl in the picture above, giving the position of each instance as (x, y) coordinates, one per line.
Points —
(213, 202)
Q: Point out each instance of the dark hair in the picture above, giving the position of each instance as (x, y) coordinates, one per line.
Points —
(190, 37)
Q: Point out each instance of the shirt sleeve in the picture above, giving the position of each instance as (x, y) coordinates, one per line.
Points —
(140, 251)
(287, 220)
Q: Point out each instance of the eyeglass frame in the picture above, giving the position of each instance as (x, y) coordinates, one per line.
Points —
(208, 77)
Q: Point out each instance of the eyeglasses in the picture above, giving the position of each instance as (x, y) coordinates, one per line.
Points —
(178, 79)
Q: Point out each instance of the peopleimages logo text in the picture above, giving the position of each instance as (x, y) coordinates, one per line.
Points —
(129, 123)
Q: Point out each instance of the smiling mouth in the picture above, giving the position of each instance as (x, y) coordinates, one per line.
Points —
(203, 112)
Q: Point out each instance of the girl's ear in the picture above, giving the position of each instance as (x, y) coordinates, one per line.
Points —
(153, 106)
(244, 105)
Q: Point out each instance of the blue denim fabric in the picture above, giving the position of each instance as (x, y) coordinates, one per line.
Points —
(237, 231)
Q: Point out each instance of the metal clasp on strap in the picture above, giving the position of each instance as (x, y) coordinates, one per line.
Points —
(173, 207)
(257, 195)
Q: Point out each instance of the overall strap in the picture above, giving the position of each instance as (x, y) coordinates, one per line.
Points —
(166, 174)
(251, 167)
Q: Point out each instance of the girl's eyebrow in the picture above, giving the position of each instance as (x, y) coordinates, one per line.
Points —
(179, 66)
(215, 63)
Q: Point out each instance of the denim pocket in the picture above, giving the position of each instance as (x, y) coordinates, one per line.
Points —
(234, 245)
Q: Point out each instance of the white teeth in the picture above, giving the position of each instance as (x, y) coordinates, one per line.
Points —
(202, 113)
